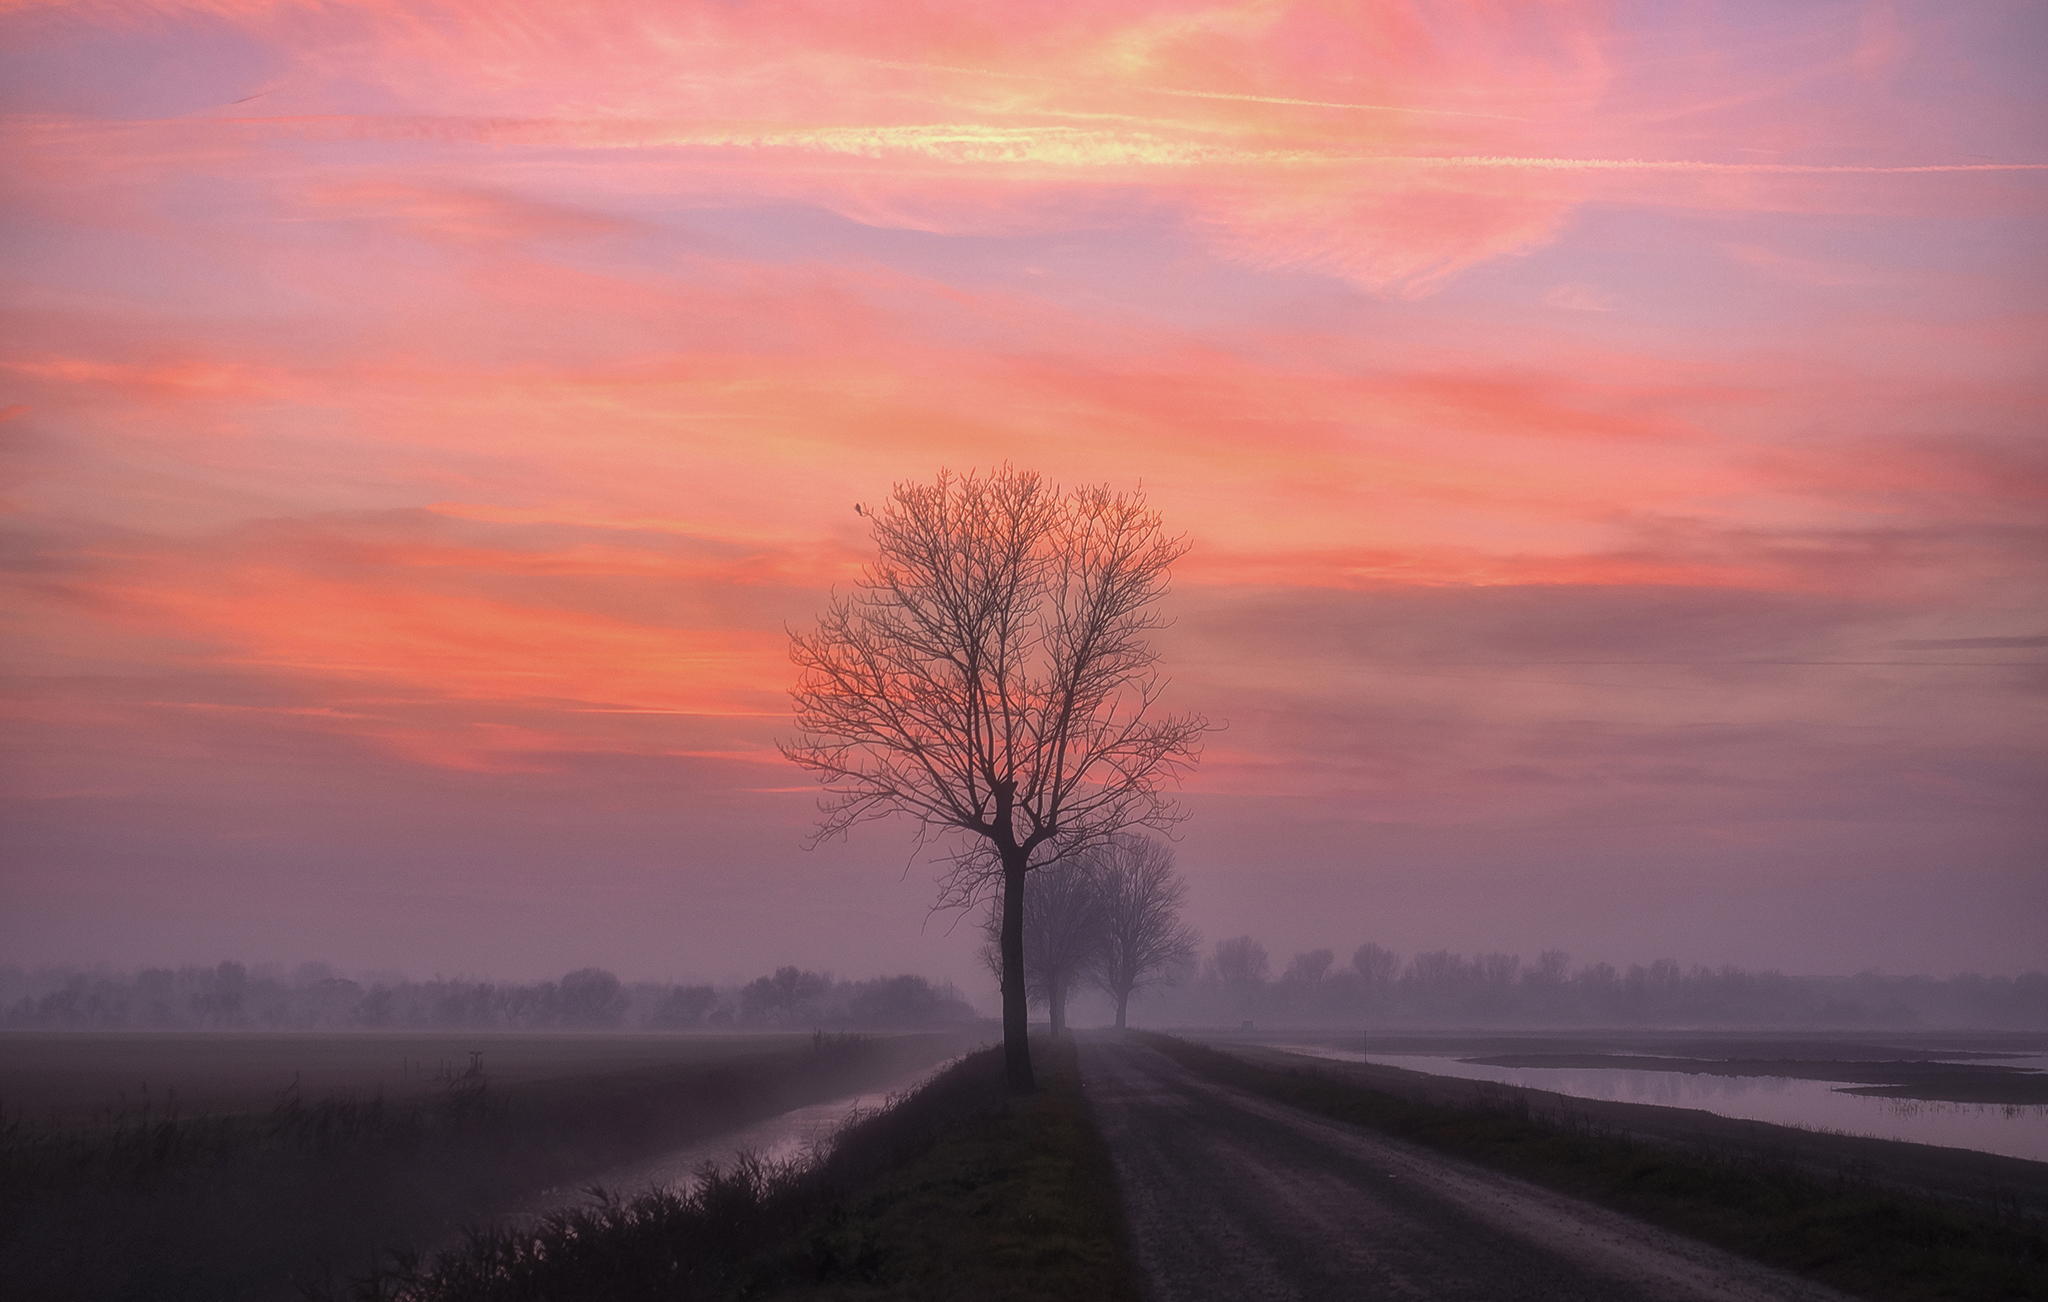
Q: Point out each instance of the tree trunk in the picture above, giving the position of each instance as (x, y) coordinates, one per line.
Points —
(1123, 999)
(1056, 1000)
(1016, 1023)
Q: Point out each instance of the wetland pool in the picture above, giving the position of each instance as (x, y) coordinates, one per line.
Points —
(2014, 1130)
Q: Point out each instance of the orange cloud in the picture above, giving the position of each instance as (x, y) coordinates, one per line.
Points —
(490, 389)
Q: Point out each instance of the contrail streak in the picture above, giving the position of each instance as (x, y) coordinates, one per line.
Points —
(1331, 104)
(1201, 94)
(984, 143)
(1689, 165)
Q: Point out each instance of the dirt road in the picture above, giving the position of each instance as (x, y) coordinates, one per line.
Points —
(1233, 1197)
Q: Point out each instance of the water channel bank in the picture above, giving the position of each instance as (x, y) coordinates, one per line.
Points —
(778, 1138)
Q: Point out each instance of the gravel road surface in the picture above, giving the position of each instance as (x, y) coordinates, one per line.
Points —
(1233, 1197)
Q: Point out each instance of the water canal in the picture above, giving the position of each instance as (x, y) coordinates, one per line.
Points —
(779, 1138)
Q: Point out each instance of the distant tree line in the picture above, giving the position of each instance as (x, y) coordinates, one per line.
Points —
(1440, 989)
(232, 996)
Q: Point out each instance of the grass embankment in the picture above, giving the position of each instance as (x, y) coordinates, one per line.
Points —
(960, 1191)
(1016, 1202)
(1847, 1233)
(152, 1205)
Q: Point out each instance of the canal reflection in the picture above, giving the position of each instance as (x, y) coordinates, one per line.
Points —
(787, 1135)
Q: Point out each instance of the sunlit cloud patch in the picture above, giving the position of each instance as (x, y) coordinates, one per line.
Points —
(1605, 401)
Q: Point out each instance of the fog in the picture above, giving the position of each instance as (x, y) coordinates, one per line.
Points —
(1235, 980)
(1375, 987)
(232, 996)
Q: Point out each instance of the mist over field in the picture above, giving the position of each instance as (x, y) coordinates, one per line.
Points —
(231, 996)
(1235, 981)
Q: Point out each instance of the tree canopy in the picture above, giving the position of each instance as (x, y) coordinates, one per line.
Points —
(991, 677)
(1144, 940)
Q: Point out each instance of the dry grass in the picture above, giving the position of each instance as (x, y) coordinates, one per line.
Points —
(1015, 1201)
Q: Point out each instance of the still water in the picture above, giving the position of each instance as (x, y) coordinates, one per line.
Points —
(779, 1138)
(2014, 1130)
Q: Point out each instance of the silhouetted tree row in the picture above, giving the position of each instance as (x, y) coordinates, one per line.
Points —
(232, 996)
(1441, 988)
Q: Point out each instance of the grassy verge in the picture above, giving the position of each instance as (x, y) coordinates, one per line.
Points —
(1851, 1234)
(958, 1191)
(1014, 1201)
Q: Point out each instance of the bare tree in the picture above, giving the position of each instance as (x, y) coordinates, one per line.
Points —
(1378, 967)
(1552, 966)
(1144, 938)
(1242, 965)
(1310, 968)
(1063, 932)
(591, 996)
(684, 1006)
(786, 993)
(990, 677)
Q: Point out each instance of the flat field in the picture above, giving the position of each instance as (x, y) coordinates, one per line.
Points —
(253, 1166)
(69, 1077)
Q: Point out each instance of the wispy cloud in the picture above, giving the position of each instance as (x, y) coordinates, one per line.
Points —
(981, 142)
(1970, 643)
(409, 406)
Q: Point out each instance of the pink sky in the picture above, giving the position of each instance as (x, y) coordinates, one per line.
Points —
(1610, 436)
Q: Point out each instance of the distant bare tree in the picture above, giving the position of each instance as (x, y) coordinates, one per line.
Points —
(990, 676)
(782, 995)
(1063, 932)
(1144, 939)
(1552, 966)
(684, 1006)
(1439, 970)
(1377, 966)
(1309, 969)
(591, 997)
(1498, 970)
(1241, 963)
